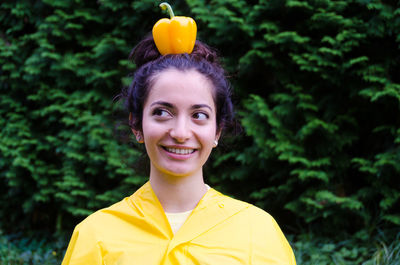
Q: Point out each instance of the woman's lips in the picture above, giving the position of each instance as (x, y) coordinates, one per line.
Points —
(179, 151)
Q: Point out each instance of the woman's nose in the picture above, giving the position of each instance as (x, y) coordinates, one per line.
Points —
(181, 130)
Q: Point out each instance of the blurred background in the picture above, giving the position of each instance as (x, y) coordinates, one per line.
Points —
(317, 92)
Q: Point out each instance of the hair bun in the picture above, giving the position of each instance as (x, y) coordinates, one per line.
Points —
(146, 51)
(203, 51)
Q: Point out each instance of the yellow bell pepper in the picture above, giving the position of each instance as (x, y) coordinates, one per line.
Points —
(176, 35)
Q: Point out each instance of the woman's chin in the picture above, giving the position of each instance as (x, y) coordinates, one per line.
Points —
(177, 171)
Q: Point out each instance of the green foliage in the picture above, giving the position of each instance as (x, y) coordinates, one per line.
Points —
(360, 249)
(62, 64)
(386, 254)
(15, 251)
(316, 82)
(327, 252)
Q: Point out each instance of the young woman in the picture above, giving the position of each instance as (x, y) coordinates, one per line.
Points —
(179, 105)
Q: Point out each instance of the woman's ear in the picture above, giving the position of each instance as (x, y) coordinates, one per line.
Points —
(138, 134)
(217, 136)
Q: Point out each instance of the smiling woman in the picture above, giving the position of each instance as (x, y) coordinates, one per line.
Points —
(179, 104)
(179, 125)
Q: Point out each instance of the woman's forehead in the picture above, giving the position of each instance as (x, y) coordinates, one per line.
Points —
(181, 87)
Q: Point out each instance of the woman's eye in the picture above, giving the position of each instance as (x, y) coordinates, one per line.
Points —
(160, 113)
(200, 116)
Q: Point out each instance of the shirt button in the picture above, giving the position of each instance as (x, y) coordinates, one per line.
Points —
(221, 205)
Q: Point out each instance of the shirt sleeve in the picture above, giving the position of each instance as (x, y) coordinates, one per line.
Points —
(269, 245)
(82, 248)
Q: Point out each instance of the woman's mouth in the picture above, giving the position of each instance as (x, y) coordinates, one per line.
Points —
(179, 151)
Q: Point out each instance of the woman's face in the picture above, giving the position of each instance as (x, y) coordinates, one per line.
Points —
(179, 123)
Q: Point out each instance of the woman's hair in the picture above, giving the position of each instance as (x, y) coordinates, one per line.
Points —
(150, 62)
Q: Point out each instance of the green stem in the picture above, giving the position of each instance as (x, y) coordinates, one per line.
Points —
(164, 6)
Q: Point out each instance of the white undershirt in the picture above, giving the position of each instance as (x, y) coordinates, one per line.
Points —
(176, 220)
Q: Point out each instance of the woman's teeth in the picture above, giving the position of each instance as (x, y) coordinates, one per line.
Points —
(180, 151)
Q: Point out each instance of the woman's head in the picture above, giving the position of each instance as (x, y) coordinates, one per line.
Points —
(151, 64)
(179, 127)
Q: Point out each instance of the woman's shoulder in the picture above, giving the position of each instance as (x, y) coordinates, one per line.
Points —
(121, 211)
(106, 217)
(249, 209)
(267, 239)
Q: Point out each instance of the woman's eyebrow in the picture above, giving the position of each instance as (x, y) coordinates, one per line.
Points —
(169, 105)
(199, 106)
(163, 103)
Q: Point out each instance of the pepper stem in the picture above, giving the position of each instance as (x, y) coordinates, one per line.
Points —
(164, 6)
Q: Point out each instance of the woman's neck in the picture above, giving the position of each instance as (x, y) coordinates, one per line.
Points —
(175, 193)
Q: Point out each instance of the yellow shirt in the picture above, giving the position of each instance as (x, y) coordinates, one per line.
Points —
(220, 230)
(176, 220)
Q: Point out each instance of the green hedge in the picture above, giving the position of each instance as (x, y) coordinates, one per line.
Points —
(62, 64)
(317, 87)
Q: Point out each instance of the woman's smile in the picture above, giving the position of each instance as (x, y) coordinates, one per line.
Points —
(179, 151)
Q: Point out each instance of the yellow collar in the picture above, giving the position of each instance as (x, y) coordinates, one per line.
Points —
(212, 209)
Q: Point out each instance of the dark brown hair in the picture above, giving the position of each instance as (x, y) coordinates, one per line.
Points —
(150, 62)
